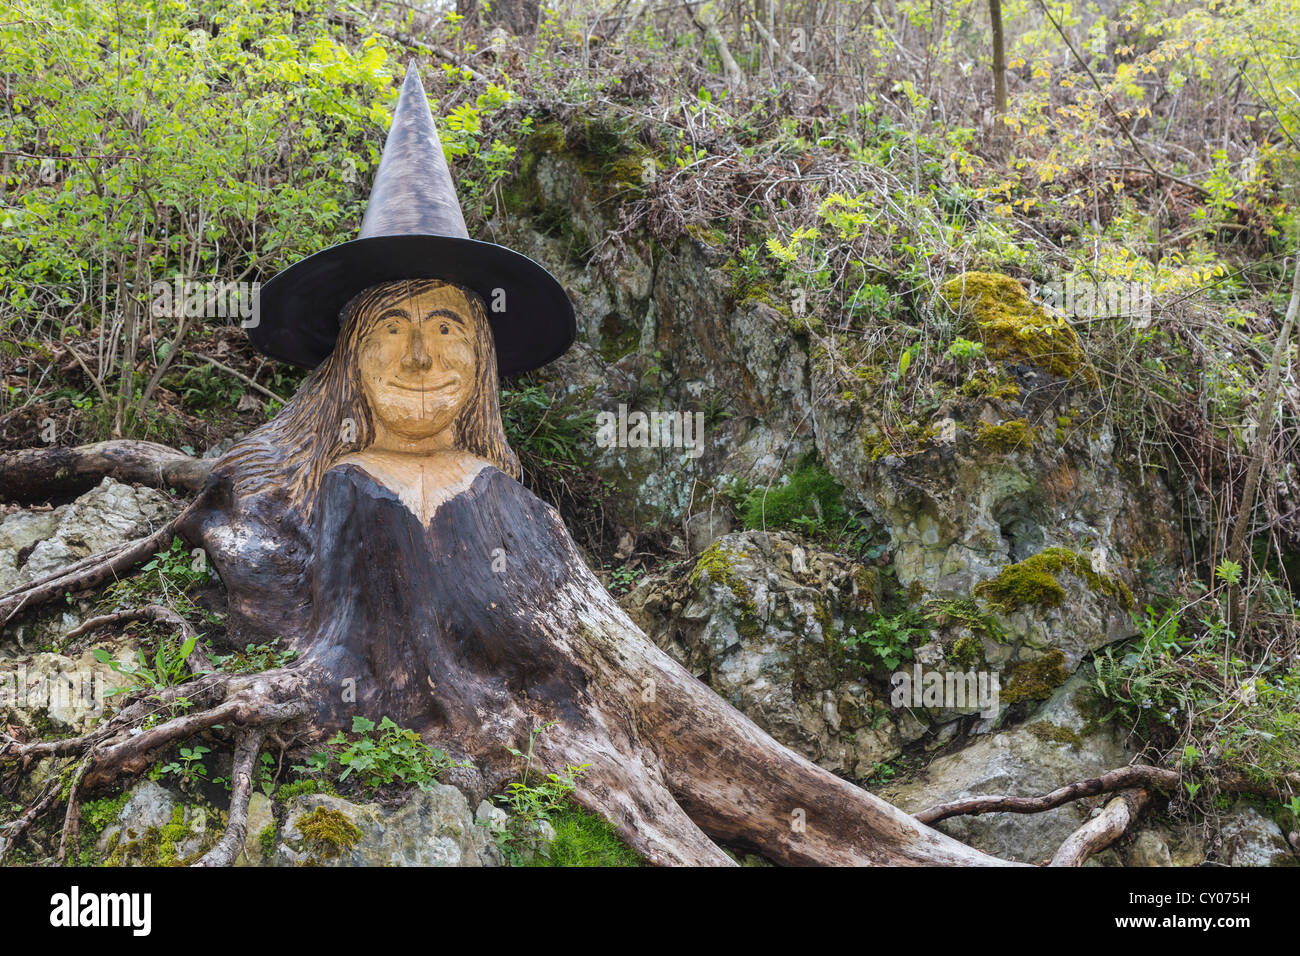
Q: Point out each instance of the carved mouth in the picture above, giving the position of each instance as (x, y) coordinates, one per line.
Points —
(421, 387)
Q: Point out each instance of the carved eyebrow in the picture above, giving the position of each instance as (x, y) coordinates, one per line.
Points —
(446, 314)
(393, 313)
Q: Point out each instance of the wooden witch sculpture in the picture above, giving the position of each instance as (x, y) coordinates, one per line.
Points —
(377, 526)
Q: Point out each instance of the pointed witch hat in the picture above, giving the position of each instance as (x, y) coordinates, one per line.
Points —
(413, 229)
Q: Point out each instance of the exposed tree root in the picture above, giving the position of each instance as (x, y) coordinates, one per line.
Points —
(122, 749)
(241, 776)
(38, 474)
(9, 835)
(1102, 830)
(72, 817)
(1136, 776)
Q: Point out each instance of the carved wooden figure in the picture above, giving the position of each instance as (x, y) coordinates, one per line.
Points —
(378, 528)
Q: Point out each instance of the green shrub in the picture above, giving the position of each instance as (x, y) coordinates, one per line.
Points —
(810, 500)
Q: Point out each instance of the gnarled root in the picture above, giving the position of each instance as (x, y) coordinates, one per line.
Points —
(1102, 830)
(122, 748)
(34, 474)
(241, 791)
(1135, 776)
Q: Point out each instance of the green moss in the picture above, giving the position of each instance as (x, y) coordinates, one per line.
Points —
(980, 385)
(944, 612)
(1036, 679)
(899, 440)
(810, 500)
(867, 582)
(266, 840)
(548, 137)
(826, 621)
(806, 325)
(617, 338)
(715, 565)
(1015, 328)
(1008, 436)
(307, 785)
(327, 834)
(169, 835)
(584, 839)
(1033, 581)
(158, 845)
(96, 815)
(710, 237)
(1053, 733)
(967, 652)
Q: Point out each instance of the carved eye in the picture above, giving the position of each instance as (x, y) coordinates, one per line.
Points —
(443, 329)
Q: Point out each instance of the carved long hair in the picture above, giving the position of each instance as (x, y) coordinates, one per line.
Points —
(330, 418)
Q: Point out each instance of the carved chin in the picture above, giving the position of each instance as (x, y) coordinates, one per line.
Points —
(416, 418)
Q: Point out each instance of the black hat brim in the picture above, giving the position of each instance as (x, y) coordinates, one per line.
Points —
(531, 316)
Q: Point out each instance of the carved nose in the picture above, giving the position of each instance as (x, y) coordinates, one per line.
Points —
(417, 357)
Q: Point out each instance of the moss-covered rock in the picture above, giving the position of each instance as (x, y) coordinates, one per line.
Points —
(327, 834)
(1035, 679)
(1005, 436)
(790, 673)
(1014, 327)
(431, 828)
(1033, 581)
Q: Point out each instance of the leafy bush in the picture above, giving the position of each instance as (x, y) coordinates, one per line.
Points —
(1185, 688)
(382, 755)
(534, 803)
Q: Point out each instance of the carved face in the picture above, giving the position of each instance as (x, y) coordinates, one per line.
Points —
(417, 361)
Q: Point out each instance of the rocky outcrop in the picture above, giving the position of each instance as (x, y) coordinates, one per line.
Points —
(791, 635)
(34, 543)
(1058, 744)
(155, 827)
(432, 828)
(50, 692)
(759, 618)
(1248, 838)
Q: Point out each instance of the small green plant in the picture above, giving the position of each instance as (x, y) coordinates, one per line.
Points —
(168, 668)
(623, 579)
(165, 580)
(881, 772)
(265, 774)
(254, 658)
(1229, 571)
(810, 500)
(547, 433)
(886, 638)
(531, 804)
(188, 767)
(382, 755)
(177, 567)
(964, 350)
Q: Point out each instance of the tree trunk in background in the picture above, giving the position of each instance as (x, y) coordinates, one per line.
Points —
(999, 59)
